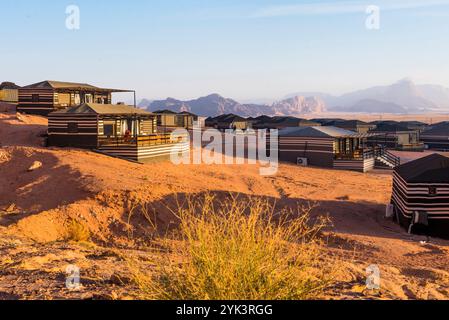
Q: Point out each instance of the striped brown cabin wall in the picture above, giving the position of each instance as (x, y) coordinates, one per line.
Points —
(440, 143)
(318, 151)
(355, 165)
(85, 134)
(143, 154)
(43, 106)
(148, 126)
(410, 197)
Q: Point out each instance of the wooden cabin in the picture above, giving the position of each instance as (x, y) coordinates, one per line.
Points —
(414, 125)
(331, 147)
(397, 137)
(437, 138)
(260, 120)
(48, 96)
(384, 122)
(166, 118)
(187, 120)
(420, 195)
(9, 92)
(117, 130)
(228, 122)
(283, 122)
(171, 119)
(353, 125)
(327, 121)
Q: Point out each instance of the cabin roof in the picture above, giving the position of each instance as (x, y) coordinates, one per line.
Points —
(263, 118)
(60, 85)
(439, 124)
(384, 122)
(110, 109)
(385, 127)
(229, 118)
(413, 123)
(187, 113)
(430, 169)
(351, 123)
(438, 130)
(320, 132)
(327, 120)
(166, 111)
(8, 85)
(292, 120)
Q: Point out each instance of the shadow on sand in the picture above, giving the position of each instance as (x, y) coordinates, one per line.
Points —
(27, 193)
(352, 218)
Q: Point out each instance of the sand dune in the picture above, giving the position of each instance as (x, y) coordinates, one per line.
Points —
(102, 191)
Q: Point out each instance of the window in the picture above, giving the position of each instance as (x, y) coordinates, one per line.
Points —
(109, 130)
(72, 127)
(433, 191)
(88, 98)
(35, 98)
(77, 99)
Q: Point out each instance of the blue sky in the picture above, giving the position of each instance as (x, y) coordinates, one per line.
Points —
(241, 49)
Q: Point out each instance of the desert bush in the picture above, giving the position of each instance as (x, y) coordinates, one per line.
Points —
(77, 232)
(240, 249)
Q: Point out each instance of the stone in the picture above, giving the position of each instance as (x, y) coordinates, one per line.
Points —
(36, 165)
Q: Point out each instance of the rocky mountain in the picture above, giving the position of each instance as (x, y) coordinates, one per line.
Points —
(373, 106)
(403, 93)
(403, 96)
(327, 99)
(437, 94)
(144, 103)
(299, 105)
(215, 104)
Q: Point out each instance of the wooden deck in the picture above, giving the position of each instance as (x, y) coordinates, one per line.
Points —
(141, 141)
(144, 148)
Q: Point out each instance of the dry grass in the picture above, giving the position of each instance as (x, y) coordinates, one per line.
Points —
(77, 232)
(239, 249)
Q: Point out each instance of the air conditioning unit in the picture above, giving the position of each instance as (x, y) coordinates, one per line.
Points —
(303, 162)
(389, 211)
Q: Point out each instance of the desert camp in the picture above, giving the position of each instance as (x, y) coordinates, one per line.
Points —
(333, 147)
(224, 159)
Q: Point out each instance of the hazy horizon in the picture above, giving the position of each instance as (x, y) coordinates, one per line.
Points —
(251, 51)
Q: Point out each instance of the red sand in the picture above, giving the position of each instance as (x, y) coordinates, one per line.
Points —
(100, 191)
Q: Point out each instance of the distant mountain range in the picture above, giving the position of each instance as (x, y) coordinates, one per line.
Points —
(401, 97)
(212, 105)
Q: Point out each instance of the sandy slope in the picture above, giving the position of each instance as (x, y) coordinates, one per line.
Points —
(102, 192)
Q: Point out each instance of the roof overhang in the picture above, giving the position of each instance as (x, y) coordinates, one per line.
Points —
(96, 90)
(360, 135)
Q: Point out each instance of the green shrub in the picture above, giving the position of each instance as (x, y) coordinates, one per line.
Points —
(239, 249)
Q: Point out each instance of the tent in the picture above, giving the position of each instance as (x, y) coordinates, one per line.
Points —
(421, 195)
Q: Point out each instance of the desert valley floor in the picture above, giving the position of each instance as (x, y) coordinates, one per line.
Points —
(36, 207)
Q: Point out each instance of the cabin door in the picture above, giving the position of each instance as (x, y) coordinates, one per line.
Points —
(76, 99)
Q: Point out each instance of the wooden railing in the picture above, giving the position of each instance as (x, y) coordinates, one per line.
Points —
(396, 161)
(142, 141)
(382, 152)
(363, 154)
